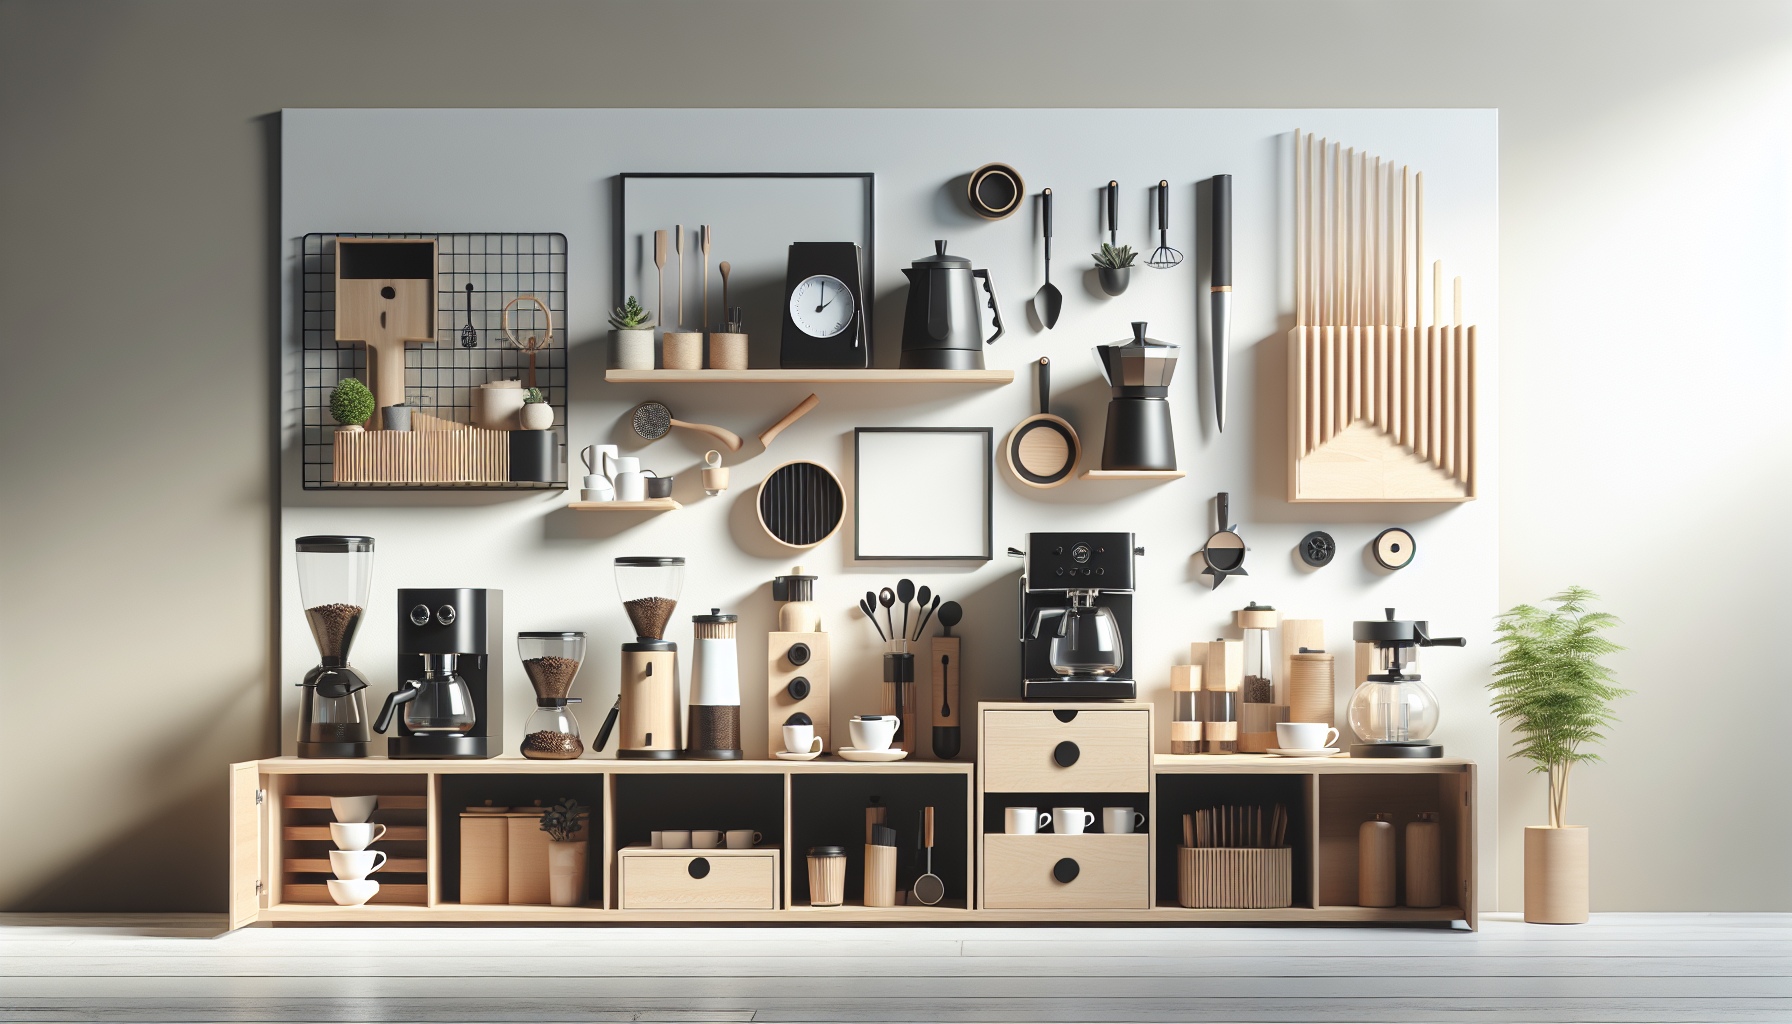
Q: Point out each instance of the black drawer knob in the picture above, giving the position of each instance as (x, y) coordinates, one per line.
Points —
(699, 867)
(1066, 754)
(798, 688)
(799, 654)
(1065, 716)
(1066, 871)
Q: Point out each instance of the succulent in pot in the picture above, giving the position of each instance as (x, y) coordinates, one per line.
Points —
(1114, 267)
(634, 336)
(536, 413)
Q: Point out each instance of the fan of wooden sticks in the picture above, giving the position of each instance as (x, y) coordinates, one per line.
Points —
(534, 344)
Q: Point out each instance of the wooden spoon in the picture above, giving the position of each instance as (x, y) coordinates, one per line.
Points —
(659, 262)
(725, 268)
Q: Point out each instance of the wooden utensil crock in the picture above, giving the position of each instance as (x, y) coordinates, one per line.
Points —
(682, 350)
(1555, 874)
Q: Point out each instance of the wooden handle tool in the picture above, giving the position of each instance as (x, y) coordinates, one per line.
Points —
(722, 434)
(790, 417)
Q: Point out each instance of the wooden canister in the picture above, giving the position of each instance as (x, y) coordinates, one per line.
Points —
(727, 351)
(1375, 862)
(1257, 727)
(827, 876)
(682, 350)
(880, 876)
(1424, 861)
(1185, 725)
(1311, 679)
(484, 859)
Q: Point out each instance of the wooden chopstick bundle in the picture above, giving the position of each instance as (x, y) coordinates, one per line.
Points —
(1236, 827)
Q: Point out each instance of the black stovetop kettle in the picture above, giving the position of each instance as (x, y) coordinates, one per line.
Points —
(942, 326)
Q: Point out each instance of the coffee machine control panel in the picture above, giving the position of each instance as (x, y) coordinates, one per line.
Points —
(1079, 561)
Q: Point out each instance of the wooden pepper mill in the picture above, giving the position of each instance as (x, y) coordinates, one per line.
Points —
(1375, 862)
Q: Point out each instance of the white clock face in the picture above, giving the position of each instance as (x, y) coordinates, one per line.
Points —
(821, 306)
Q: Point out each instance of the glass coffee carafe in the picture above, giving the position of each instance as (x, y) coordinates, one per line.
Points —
(1084, 638)
(335, 575)
(552, 660)
(439, 703)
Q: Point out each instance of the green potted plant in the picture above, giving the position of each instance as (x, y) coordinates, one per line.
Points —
(563, 823)
(537, 414)
(1550, 687)
(634, 336)
(1114, 266)
(351, 404)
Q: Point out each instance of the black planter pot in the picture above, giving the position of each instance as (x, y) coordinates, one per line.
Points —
(1114, 279)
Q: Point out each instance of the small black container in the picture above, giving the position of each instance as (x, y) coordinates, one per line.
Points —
(534, 456)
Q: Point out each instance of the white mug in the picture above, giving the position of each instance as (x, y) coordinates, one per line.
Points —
(1026, 821)
(353, 808)
(352, 892)
(678, 840)
(357, 835)
(801, 739)
(1305, 735)
(354, 865)
(1070, 821)
(872, 732)
(631, 484)
(744, 839)
(706, 839)
(1120, 820)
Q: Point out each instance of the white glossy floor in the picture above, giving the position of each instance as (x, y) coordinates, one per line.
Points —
(1621, 967)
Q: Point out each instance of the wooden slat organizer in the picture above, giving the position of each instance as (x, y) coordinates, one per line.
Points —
(1380, 407)
(321, 865)
(432, 456)
(394, 833)
(389, 893)
(1235, 878)
(387, 803)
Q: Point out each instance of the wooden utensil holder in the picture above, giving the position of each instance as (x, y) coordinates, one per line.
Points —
(727, 351)
(880, 876)
(473, 455)
(682, 350)
(1234, 879)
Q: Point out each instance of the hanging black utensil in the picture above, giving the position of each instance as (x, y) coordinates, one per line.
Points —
(1224, 551)
(1049, 301)
(926, 614)
(1164, 257)
(1115, 279)
(950, 614)
(905, 592)
(469, 338)
(887, 598)
(945, 696)
(1221, 291)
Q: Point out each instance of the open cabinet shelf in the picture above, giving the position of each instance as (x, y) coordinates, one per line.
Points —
(809, 376)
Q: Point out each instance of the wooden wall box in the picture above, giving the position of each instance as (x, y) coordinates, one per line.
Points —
(484, 859)
(1243, 879)
(673, 880)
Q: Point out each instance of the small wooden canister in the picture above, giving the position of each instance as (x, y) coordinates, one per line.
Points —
(880, 876)
(1375, 862)
(1257, 727)
(1424, 861)
(1185, 726)
(827, 876)
(1310, 682)
(682, 350)
(727, 351)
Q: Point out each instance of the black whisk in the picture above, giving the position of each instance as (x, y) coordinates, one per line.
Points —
(1164, 257)
(469, 338)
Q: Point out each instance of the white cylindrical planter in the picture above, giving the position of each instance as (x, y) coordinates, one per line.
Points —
(566, 873)
(1555, 874)
(634, 349)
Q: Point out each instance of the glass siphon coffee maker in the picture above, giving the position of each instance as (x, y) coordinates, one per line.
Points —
(1393, 712)
(552, 661)
(335, 574)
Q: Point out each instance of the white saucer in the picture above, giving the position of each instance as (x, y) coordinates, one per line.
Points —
(787, 755)
(1292, 752)
(872, 755)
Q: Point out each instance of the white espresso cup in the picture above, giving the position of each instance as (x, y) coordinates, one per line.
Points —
(352, 892)
(675, 840)
(872, 732)
(354, 865)
(1118, 820)
(801, 739)
(744, 839)
(357, 835)
(353, 808)
(1025, 821)
(631, 484)
(1070, 821)
(706, 839)
(1305, 735)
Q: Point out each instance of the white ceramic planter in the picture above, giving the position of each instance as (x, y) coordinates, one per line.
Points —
(634, 349)
(537, 416)
(1555, 874)
(566, 873)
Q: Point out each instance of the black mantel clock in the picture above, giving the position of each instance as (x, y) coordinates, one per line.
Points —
(824, 308)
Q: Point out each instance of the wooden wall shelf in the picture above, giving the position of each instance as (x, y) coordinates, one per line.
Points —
(1132, 474)
(650, 505)
(809, 376)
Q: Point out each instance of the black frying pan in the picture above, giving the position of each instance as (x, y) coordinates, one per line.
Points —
(1042, 451)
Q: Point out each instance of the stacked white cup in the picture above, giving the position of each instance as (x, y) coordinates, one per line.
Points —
(352, 861)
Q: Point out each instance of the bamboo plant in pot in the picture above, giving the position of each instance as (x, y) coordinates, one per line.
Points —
(567, 852)
(1551, 688)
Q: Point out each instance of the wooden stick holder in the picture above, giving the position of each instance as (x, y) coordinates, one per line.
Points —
(1227, 878)
(472, 455)
(880, 876)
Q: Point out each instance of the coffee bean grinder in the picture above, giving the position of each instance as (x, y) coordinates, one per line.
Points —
(1392, 712)
(335, 574)
(450, 699)
(649, 587)
(797, 660)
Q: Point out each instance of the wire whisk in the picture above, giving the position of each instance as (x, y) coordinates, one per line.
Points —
(1163, 257)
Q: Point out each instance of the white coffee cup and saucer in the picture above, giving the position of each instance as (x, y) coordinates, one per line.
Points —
(800, 744)
(871, 737)
(1305, 739)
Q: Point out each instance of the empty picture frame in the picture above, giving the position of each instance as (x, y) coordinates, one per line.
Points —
(923, 493)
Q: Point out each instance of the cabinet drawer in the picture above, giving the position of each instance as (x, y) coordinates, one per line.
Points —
(1112, 751)
(665, 880)
(1113, 872)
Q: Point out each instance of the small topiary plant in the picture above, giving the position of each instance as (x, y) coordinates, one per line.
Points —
(631, 317)
(1115, 259)
(535, 397)
(351, 404)
(561, 821)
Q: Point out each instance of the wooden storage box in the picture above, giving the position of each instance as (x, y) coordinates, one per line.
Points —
(1112, 872)
(1235, 879)
(1107, 751)
(504, 857)
(472, 455)
(650, 879)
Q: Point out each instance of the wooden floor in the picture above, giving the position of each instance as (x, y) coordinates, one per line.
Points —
(1621, 967)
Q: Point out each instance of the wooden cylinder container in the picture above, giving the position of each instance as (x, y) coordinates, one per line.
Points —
(1311, 679)
(1555, 874)
(682, 350)
(1424, 861)
(880, 876)
(1375, 862)
(727, 351)
(1185, 724)
(827, 876)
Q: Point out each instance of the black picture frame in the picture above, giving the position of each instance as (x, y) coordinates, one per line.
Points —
(989, 476)
(619, 261)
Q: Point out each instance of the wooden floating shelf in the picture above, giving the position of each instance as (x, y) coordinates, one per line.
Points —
(809, 376)
(394, 833)
(321, 865)
(650, 505)
(1133, 474)
(415, 895)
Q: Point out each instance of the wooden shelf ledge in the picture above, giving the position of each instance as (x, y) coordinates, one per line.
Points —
(809, 376)
(650, 505)
(1132, 474)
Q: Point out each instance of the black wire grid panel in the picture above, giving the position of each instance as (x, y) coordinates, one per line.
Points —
(440, 379)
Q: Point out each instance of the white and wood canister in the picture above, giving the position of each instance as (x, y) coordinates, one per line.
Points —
(1185, 723)
(714, 732)
(1375, 862)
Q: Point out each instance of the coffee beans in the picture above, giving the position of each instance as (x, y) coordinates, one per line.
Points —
(334, 627)
(551, 675)
(650, 615)
(552, 746)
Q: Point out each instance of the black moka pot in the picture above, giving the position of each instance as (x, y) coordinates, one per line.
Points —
(1138, 435)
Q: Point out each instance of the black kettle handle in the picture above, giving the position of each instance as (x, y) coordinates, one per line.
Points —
(393, 699)
(994, 305)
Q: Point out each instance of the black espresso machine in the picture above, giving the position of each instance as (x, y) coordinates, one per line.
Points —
(1076, 617)
(450, 697)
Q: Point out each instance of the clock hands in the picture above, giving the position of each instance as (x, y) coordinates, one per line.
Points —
(823, 288)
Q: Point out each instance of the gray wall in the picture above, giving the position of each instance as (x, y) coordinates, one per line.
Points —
(1643, 209)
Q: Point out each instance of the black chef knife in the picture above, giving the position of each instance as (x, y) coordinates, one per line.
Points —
(1222, 291)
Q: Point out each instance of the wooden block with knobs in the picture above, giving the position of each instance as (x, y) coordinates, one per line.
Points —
(797, 682)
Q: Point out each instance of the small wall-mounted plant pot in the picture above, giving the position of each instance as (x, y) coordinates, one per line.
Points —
(634, 349)
(396, 417)
(536, 416)
(1114, 279)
